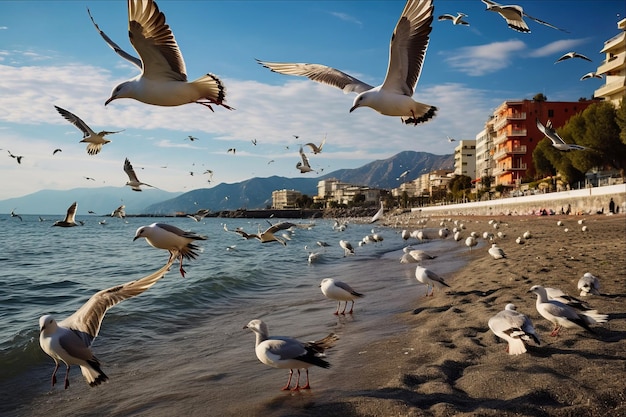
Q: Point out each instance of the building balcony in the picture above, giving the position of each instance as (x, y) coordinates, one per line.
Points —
(508, 168)
(504, 119)
(612, 64)
(614, 42)
(610, 89)
(509, 150)
(506, 134)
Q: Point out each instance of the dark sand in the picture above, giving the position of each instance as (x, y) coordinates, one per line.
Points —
(448, 363)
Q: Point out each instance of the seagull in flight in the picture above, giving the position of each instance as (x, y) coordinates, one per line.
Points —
(163, 78)
(514, 16)
(69, 340)
(93, 139)
(456, 20)
(14, 214)
(133, 181)
(571, 55)
(304, 166)
(394, 96)
(18, 158)
(70, 216)
(590, 75)
(557, 142)
(450, 139)
(119, 212)
(56, 150)
(316, 149)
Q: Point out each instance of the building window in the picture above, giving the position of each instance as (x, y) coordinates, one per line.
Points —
(550, 113)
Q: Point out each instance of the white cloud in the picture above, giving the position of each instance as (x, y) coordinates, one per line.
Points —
(346, 17)
(556, 47)
(485, 59)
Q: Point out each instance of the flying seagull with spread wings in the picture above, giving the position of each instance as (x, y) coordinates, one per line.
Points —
(557, 142)
(304, 166)
(69, 341)
(94, 140)
(163, 78)
(133, 181)
(316, 149)
(514, 16)
(456, 20)
(406, 55)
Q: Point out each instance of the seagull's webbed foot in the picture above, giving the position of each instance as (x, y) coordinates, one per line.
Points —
(297, 386)
(306, 386)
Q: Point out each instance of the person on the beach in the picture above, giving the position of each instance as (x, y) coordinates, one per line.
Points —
(612, 206)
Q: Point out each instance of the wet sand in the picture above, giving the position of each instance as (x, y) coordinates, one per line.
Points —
(448, 363)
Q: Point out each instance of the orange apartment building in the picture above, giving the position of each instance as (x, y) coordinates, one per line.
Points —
(515, 135)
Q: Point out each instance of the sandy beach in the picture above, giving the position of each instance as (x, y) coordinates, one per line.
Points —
(448, 363)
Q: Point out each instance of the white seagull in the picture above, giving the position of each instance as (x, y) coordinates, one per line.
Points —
(514, 16)
(70, 217)
(348, 249)
(571, 55)
(316, 149)
(557, 142)
(590, 75)
(339, 291)
(163, 78)
(289, 353)
(589, 284)
(470, 242)
(119, 212)
(456, 20)
(406, 55)
(379, 213)
(513, 327)
(562, 315)
(133, 181)
(430, 279)
(496, 252)
(304, 166)
(69, 341)
(93, 139)
(177, 241)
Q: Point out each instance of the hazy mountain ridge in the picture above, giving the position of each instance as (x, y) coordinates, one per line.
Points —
(254, 193)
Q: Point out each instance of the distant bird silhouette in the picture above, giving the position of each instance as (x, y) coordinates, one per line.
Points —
(94, 140)
(18, 158)
(14, 214)
(56, 150)
(456, 20)
(316, 149)
(133, 182)
(70, 217)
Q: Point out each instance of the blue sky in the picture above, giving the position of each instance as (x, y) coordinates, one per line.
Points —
(50, 54)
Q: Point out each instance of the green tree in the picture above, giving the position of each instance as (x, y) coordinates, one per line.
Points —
(540, 97)
(621, 120)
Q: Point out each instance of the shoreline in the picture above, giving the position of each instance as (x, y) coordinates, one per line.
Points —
(450, 364)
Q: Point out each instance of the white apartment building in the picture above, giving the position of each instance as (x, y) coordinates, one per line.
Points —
(613, 68)
(465, 158)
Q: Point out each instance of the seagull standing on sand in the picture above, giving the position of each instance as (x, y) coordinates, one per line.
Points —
(562, 315)
(163, 78)
(470, 242)
(514, 16)
(69, 341)
(571, 55)
(69, 220)
(513, 327)
(557, 142)
(430, 279)
(288, 353)
(173, 239)
(133, 181)
(407, 51)
(496, 252)
(339, 291)
(589, 284)
(456, 20)
(94, 140)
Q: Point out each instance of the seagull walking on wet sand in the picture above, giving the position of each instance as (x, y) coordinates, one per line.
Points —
(513, 327)
(133, 181)
(69, 341)
(557, 142)
(163, 78)
(177, 241)
(430, 279)
(70, 217)
(562, 315)
(339, 291)
(496, 252)
(514, 16)
(289, 353)
(394, 96)
(94, 140)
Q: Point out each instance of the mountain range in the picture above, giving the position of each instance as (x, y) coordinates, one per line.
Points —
(254, 193)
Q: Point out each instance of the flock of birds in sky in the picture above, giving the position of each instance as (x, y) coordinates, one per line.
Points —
(69, 341)
(163, 82)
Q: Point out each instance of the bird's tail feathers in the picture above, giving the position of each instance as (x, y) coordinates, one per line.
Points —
(593, 317)
(421, 113)
(92, 373)
(214, 90)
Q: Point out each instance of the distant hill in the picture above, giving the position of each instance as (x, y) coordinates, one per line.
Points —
(255, 193)
(102, 200)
